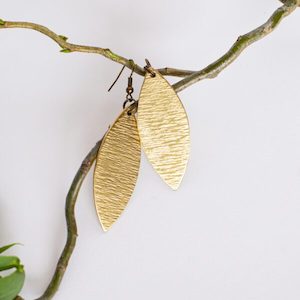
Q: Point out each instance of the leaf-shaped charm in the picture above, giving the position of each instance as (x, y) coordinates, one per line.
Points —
(116, 169)
(164, 128)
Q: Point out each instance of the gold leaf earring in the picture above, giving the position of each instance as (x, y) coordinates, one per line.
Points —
(163, 127)
(117, 164)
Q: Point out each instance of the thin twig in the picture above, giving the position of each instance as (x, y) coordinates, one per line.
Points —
(242, 42)
(175, 72)
(190, 77)
(67, 47)
(285, 1)
(71, 224)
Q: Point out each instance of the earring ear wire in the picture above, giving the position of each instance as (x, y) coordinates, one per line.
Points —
(116, 79)
(149, 68)
(132, 70)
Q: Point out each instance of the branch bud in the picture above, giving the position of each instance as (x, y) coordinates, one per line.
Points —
(63, 37)
(65, 51)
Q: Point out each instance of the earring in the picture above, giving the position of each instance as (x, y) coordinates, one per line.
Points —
(163, 127)
(117, 164)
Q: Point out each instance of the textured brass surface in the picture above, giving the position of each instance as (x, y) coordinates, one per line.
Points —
(116, 170)
(164, 129)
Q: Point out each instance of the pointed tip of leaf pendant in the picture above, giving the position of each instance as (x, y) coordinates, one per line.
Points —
(174, 185)
(116, 170)
(164, 129)
(106, 224)
(104, 228)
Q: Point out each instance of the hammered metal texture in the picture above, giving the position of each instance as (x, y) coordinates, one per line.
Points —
(116, 170)
(164, 129)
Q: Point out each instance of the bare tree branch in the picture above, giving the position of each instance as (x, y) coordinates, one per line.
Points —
(191, 77)
(285, 1)
(71, 224)
(69, 47)
(242, 42)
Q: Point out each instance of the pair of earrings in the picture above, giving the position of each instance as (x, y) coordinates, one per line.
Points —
(159, 123)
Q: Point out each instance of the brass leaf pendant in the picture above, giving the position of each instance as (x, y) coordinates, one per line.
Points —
(163, 127)
(116, 170)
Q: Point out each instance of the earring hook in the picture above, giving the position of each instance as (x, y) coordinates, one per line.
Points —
(116, 79)
(129, 91)
(132, 70)
(149, 68)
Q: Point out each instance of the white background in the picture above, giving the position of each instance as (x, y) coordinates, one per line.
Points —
(232, 230)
